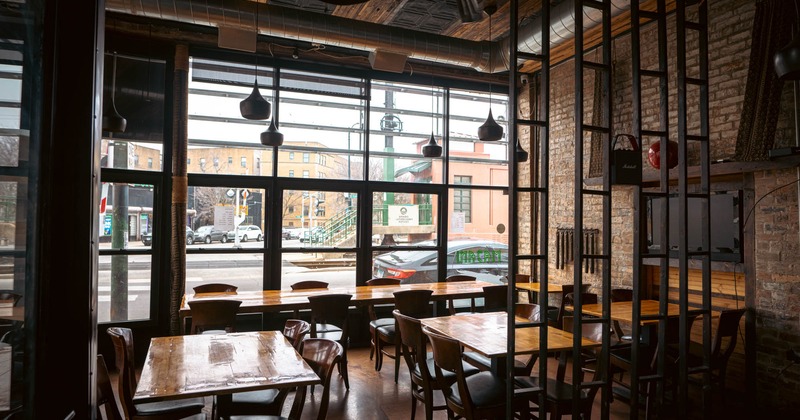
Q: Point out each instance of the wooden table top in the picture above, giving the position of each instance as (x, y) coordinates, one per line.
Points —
(214, 364)
(486, 333)
(534, 287)
(623, 311)
(285, 299)
(10, 312)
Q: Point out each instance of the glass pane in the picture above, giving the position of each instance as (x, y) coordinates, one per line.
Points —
(410, 266)
(124, 287)
(225, 217)
(324, 219)
(135, 88)
(216, 127)
(335, 268)
(9, 149)
(131, 155)
(478, 237)
(246, 271)
(404, 219)
(126, 215)
(319, 163)
(402, 118)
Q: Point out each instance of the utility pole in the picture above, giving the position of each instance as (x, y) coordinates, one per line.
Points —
(119, 239)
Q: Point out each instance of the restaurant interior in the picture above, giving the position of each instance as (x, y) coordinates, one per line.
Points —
(333, 208)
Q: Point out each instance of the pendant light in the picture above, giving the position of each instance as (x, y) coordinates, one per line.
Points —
(272, 137)
(112, 121)
(432, 149)
(255, 107)
(490, 130)
(787, 59)
(522, 154)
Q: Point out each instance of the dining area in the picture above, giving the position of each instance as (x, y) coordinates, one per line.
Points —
(450, 358)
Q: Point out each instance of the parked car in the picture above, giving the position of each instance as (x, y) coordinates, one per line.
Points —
(147, 238)
(294, 233)
(208, 234)
(246, 232)
(486, 260)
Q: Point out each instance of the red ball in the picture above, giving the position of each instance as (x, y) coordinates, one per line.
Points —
(654, 154)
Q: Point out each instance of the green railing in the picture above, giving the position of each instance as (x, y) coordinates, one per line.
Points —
(380, 215)
(336, 230)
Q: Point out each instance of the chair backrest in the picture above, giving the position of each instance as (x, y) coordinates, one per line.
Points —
(322, 355)
(215, 288)
(383, 281)
(621, 295)
(126, 383)
(592, 331)
(309, 284)
(530, 311)
(414, 343)
(106, 402)
(330, 309)
(447, 357)
(495, 298)
(522, 278)
(9, 295)
(414, 303)
(214, 314)
(586, 298)
(460, 277)
(294, 330)
(727, 330)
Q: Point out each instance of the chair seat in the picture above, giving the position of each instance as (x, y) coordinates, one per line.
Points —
(556, 391)
(327, 328)
(486, 389)
(381, 322)
(213, 332)
(188, 405)
(469, 370)
(388, 332)
(245, 402)
(475, 359)
(330, 335)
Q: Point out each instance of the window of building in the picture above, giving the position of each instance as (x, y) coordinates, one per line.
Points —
(306, 157)
(150, 163)
(291, 155)
(230, 160)
(135, 160)
(305, 174)
(462, 198)
(244, 161)
(188, 161)
(216, 162)
(291, 173)
(321, 159)
(202, 163)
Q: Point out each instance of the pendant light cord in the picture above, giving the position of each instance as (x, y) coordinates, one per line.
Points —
(256, 52)
(490, 60)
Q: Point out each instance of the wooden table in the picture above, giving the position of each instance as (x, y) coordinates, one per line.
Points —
(10, 312)
(282, 300)
(623, 311)
(202, 365)
(535, 287)
(486, 334)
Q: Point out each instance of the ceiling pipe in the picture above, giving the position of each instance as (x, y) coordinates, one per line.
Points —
(295, 24)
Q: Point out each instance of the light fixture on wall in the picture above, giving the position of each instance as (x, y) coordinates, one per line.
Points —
(787, 59)
(255, 107)
(432, 149)
(112, 121)
(490, 130)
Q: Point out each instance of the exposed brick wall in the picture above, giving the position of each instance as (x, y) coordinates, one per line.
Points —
(777, 253)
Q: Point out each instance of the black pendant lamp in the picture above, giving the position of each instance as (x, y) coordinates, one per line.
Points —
(490, 130)
(787, 59)
(432, 149)
(255, 107)
(522, 154)
(112, 121)
(272, 137)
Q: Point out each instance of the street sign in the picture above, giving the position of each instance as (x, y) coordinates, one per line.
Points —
(245, 193)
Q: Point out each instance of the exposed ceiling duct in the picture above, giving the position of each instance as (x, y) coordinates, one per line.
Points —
(282, 22)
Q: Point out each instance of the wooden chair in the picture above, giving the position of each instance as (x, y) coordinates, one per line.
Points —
(560, 398)
(313, 284)
(214, 316)
(295, 330)
(328, 311)
(450, 302)
(215, 288)
(495, 298)
(414, 303)
(529, 311)
(375, 322)
(162, 410)
(322, 355)
(478, 396)
(722, 346)
(420, 367)
(621, 295)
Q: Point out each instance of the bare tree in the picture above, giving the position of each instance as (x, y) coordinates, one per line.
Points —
(206, 198)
